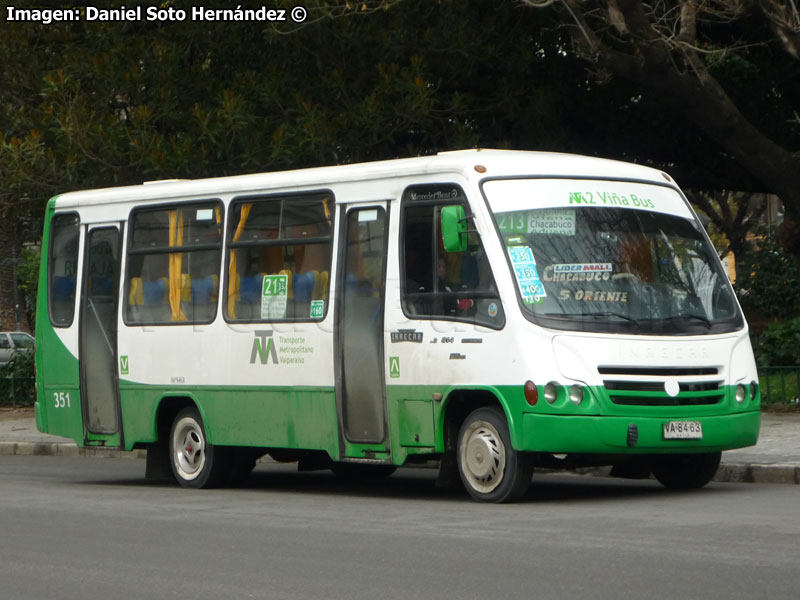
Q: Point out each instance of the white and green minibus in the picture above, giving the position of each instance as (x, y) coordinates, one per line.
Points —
(494, 310)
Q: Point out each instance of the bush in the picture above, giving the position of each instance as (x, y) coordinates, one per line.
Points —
(17, 379)
(779, 345)
(28, 280)
(766, 281)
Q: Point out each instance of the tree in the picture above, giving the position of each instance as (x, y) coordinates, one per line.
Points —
(97, 104)
(693, 54)
(733, 214)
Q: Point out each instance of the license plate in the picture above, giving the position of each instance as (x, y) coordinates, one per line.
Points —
(683, 430)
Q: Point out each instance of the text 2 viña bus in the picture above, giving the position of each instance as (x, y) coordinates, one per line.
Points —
(494, 309)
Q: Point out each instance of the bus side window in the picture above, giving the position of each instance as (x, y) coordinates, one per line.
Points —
(62, 268)
(439, 284)
(174, 256)
(278, 258)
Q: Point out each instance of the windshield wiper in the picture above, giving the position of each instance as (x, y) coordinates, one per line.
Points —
(592, 314)
(700, 318)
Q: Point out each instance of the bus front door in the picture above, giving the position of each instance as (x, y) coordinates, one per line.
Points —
(360, 384)
(98, 336)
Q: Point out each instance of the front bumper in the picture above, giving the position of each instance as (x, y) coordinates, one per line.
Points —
(610, 435)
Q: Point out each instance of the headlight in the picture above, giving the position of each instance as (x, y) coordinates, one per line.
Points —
(576, 394)
(741, 392)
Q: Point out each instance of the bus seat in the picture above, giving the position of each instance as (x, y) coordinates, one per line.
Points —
(323, 285)
(154, 292)
(136, 295)
(186, 287)
(63, 287)
(250, 292)
(102, 286)
(202, 290)
(317, 284)
(215, 287)
(304, 286)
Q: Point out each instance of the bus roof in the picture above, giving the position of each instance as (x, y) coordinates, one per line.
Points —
(497, 163)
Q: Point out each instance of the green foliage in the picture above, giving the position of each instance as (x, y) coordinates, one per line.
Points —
(96, 104)
(28, 278)
(780, 388)
(779, 345)
(17, 379)
(766, 281)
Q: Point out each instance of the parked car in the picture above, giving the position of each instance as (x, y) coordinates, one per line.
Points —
(11, 342)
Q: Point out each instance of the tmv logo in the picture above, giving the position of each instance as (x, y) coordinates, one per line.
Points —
(263, 347)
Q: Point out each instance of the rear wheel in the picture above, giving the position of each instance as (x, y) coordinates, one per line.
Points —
(196, 463)
(490, 469)
(686, 471)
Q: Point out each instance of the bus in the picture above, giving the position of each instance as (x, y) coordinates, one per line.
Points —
(495, 311)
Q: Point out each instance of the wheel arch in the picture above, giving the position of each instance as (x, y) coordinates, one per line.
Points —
(168, 407)
(458, 404)
(164, 412)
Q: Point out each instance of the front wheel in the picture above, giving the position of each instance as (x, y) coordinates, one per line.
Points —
(196, 463)
(490, 469)
(686, 471)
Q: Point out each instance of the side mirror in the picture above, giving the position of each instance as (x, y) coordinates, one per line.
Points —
(454, 228)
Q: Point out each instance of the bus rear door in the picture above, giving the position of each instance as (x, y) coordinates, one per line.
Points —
(98, 336)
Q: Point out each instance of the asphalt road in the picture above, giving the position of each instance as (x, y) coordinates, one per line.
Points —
(83, 528)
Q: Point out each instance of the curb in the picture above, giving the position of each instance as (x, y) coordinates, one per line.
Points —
(65, 449)
(755, 473)
(727, 473)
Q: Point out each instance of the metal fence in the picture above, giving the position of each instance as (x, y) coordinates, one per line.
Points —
(779, 385)
(17, 391)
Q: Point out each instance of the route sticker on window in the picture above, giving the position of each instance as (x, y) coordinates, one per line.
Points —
(553, 221)
(582, 267)
(578, 272)
(317, 309)
(274, 296)
(524, 264)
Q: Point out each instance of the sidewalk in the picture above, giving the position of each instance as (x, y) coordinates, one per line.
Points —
(776, 458)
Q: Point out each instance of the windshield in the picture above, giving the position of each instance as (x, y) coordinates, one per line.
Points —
(611, 257)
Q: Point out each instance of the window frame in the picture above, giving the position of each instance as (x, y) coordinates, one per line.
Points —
(213, 202)
(459, 199)
(230, 246)
(50, 264)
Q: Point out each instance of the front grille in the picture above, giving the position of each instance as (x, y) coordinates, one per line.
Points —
(644, 386)
(664, 400)
(658, 371)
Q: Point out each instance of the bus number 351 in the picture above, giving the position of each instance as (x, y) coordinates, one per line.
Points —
(62, 399)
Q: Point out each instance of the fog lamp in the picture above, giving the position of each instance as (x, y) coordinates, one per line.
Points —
(576, 394)
(551, 392)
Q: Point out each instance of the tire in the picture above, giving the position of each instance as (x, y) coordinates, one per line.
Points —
(196, 463)
(490, 469)
(686, 471)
